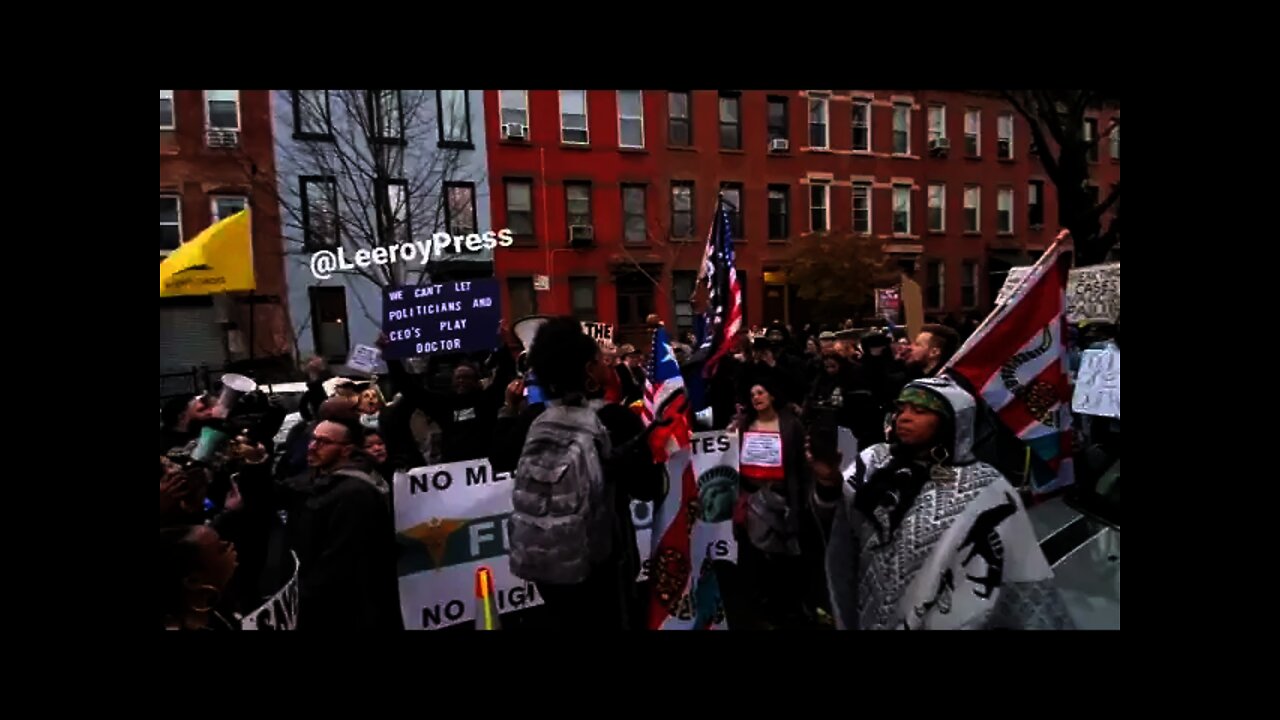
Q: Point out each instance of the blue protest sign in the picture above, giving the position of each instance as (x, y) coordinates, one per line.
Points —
(455, 316)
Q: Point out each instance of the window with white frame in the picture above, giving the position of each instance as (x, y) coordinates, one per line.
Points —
(937, 122)
(319, 211)
(1004, 209)
(862, 125)
(1004, 136)
(862, 208)
(461, 207)
(681, 209)
(224, 206)
(819, 207)
(1090, 133)
(730, 121)
(679, 125)
(902, 209)
(819, 109)
(170, 223)
(937, 207)
(901, 129)
(634, 219)
(577, 196)
(973, 133)
(166, 110)
(1115, 140)
(631, 118)
(519, 194)
(573, 117)
(972, 208)
(514, 106)
(1035, 203)
(453, 113)
(222, 109)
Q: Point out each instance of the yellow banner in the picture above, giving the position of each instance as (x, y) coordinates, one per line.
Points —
(220, 259)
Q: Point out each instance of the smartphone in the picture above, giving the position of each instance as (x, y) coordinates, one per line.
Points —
(824, 442)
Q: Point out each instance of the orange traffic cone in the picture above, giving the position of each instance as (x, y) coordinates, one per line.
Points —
(486, 600)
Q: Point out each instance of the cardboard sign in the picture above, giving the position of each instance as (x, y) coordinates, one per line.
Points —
(888, 303)
(365, 358)
(458, 316)
(602, 333)
(281, 611)
(1098, 383)
(913, 303)
(452, 519)
(1093, 292)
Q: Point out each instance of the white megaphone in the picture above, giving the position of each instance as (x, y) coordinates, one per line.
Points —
(526, 328)
(233, 386)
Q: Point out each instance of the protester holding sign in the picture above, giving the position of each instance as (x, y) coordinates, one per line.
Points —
(922, 536)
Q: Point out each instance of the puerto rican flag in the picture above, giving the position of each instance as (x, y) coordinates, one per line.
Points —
(664, 397)
(1016, 362)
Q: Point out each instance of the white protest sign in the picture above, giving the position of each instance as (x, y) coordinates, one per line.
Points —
(1098, 383)
(848, 445)
(602, 333)
(451, 519)
(1093, 292)
(281, 611)
(762, 448)
(708, 473)
(365, 359)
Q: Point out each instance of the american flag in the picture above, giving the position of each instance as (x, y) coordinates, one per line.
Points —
(664, 398)
(724, 311)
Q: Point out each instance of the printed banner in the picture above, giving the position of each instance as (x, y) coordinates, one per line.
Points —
(458, 316)
(602, 333)
(1098, 383)
(281, 611)
(452, 519)
(692, 528)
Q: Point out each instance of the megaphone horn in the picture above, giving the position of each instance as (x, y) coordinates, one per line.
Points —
(527, 327)
(233, 386)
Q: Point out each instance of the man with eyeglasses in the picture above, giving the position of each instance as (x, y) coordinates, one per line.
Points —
(340, 527)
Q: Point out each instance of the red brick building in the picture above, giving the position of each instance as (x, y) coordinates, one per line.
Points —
(216, 158)
(944, 180)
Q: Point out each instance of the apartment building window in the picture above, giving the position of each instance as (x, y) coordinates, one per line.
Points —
(222, 109)
(973, 133)
(937, 123)
(681, 209)
(819, 115)
(578, 203)
(453, 118)
(329, 322)
(862, 208)
(514, 106)
(779, 212)
(778, 120)
(682, 286)
(461, 209)
(1004, 210)
(972, 208)
(1091, 132)
(319, 212)
(902, 209)
(224, 206)
(969, 285)
(386, 115)
(1115, 141)
(582, 292)
(524, 299)
(1004, 136)
(819, 207)
(730, 122)
(901, 129)
(1035, 203)
(519, 194)
(393, 210)
(937, 290)
(732, 193)
(573, 117)
(634, 225)
(630, 118)
(311, 116)
(679, 113)
(166, 110)
(862, 125)
(170, 223)
(937, 207)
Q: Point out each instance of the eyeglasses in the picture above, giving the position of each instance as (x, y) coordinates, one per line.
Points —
(326, 441)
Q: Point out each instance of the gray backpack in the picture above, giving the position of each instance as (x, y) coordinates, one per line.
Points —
(562, 514)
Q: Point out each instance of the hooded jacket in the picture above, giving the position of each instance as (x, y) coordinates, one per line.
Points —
(962, 555)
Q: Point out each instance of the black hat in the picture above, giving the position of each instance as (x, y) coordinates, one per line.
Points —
(847, 335)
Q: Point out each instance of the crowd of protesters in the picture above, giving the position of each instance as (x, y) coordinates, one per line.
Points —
(239, 514)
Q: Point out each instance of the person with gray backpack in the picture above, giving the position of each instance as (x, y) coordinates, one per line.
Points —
(581, 463)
